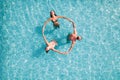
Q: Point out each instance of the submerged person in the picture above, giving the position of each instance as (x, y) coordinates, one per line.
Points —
(73, 37)
(54, 19)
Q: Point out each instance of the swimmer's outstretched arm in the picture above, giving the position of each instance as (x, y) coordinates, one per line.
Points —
(59, 51)
(43, 30)
(74, 28)
(74, 31)
(65, 18)
(72, 45)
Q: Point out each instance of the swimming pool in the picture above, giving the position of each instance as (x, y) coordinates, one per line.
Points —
(95, 57)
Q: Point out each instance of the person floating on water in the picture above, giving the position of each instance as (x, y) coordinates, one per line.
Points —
(53, 18)
(50, 46)
(73, 37)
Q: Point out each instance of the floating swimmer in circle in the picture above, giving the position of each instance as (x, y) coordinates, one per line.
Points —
(73, 37)
(51, 45)
(53, 18)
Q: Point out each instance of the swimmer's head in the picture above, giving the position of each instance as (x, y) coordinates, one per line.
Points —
(47, 49)
(52, 12)
(79, 37)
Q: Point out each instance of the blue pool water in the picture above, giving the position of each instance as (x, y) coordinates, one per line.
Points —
(95, 57)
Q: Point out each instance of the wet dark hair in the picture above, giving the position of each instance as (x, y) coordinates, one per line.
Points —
(47, 51)
(77, 37)
(53, 11)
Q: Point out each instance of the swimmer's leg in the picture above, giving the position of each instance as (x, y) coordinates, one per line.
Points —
(68, 40)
